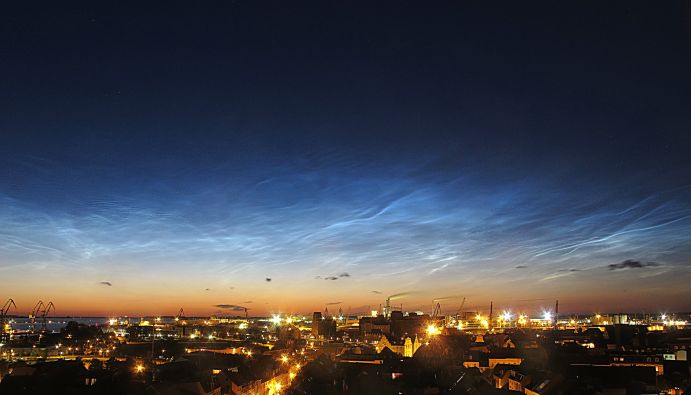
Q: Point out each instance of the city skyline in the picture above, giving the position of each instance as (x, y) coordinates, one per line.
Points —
(285, 160)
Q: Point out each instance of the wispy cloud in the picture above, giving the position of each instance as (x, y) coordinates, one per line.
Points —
(367, 231)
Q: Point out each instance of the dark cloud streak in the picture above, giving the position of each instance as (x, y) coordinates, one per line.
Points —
(632, 264)
(231, 307)
(332, 278)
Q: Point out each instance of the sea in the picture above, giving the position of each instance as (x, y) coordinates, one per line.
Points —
(55, 324)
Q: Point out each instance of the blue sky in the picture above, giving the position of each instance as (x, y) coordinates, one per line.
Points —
(186, 156)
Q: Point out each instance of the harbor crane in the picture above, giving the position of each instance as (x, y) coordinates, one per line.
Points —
(181, 320)
(437, 311)
(3, 315)
(460, 309)
(32, 316)
(46, 309)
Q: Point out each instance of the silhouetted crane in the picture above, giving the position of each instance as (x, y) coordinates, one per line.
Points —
(460, 309)
(32, 316)
(181, 320)
(50, 306)
(437, 311)
(3, 313)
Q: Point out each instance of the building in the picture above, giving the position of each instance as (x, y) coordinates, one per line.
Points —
(379, 325)
(409, 325)
(316, 319)
(323, 327)
(404, 347)
(397, 325)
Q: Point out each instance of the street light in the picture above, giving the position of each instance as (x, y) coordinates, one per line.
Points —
(276, 319)
(432, 330)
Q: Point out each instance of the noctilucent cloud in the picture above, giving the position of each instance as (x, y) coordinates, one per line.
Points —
(338, 155)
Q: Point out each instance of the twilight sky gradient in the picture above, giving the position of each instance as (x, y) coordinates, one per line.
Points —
(166, 157)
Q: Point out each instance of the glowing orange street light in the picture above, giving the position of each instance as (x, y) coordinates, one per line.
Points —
(432, 330)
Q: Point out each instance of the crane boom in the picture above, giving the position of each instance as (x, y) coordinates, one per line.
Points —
(50, 306)
(460, 309)
(37, 309)
(3, 314)
(6, 306)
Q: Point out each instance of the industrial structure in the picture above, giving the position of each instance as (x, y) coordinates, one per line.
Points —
(5, 330)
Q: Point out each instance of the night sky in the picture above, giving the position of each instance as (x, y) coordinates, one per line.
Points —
(153, 158)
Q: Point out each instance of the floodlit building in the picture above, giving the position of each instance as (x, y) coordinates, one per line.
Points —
(404, 347)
